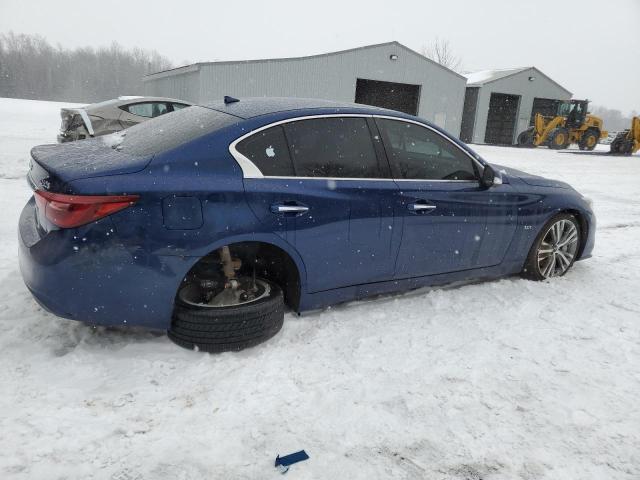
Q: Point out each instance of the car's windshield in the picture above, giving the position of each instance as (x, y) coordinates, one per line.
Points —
(169, 131)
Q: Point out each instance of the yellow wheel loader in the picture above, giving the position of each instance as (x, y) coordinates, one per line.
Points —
(571, 124)
(627, 142)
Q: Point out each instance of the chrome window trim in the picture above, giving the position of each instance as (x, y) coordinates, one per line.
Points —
(251, 171)
(359, 179)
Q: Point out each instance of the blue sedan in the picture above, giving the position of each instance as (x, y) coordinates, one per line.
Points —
(208, 222)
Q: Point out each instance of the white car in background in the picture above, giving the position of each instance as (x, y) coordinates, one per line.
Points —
(113, 115)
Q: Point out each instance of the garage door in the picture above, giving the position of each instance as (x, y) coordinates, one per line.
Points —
(402, 97)
(546, 106)
(501, 120)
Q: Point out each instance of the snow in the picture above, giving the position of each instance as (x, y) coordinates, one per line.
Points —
(496, 380)
(485, 76)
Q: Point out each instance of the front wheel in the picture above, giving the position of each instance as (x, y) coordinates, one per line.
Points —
(229, 320)
(589, 140)
(555, 249)
(559, 138)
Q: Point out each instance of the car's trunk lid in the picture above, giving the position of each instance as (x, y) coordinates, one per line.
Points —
(54, 166)
(73, 118)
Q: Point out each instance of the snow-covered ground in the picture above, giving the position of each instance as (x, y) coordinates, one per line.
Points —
(500, 380)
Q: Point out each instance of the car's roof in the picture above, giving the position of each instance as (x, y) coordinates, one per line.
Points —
(126, 100)
(257, 106)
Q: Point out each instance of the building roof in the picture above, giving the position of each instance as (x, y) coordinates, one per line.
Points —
(483, 77)
(486, 76)
(196, 66)
(255, 106)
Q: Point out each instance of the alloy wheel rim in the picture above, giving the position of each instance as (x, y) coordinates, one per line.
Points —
(557, 249)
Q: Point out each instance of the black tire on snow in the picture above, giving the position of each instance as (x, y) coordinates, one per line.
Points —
(621, 145)
(525, 139)
(224, 329)
(586, 136)
(553, 136)
(531, 269)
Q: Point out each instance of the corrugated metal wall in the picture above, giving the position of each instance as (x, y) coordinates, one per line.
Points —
(182, 85)
(331, 76)
(518, 84)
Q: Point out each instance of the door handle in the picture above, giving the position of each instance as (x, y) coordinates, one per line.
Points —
(296, 209)
(419, 207)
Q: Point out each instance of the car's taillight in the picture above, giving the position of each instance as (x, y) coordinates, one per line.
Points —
(68, 211)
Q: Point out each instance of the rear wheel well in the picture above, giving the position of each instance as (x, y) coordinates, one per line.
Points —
(266, 260)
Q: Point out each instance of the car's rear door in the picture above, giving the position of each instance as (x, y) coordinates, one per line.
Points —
(450, 222)
(335, 204)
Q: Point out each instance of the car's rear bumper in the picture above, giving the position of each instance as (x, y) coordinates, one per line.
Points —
(86, 274)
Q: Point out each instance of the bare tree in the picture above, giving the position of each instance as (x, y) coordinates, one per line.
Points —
(30, 67)
(440, 51)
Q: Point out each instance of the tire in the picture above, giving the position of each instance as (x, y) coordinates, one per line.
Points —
(525, 139)
(621, 145)
(534, 268)
(559, 138)
(231, 328)
(589, 140)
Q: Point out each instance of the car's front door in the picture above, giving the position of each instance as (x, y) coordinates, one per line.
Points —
(450, 222)
(333, 200)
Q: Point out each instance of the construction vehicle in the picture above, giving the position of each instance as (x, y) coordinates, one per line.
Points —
(571, 124)
(627, 142)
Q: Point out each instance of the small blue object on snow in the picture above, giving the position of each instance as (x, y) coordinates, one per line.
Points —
(283, 463)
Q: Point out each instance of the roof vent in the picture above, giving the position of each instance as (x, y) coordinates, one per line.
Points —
(228, 100)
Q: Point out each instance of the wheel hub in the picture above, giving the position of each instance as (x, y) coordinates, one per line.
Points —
(558, 248)
(246, 290)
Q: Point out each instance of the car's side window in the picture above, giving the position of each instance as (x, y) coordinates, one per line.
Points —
(339, 147)
(416, 152)
(178, 106)
(268, 151)
(148, 109)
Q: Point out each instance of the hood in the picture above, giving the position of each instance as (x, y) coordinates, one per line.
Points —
(529, 179)
(95, 157)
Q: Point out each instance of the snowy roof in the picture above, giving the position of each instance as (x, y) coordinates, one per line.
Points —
(486, 76)
(250, 107)
(482, 77)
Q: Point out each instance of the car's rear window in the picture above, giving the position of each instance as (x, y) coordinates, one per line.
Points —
(169, 131)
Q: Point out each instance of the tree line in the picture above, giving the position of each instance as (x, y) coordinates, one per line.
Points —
(32, 68)
(614, 120)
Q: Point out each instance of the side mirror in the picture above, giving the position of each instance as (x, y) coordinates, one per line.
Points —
(488, 179)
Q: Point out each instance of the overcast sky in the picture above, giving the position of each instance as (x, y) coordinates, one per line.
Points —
(591, 47)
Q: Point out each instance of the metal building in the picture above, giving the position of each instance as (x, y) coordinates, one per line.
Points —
(499, 104)
(386, 75)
